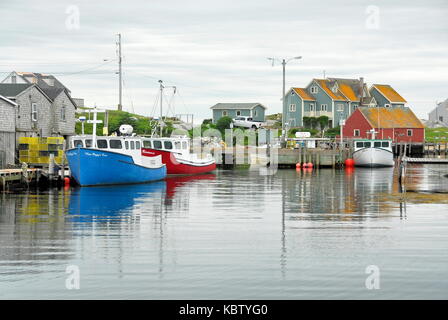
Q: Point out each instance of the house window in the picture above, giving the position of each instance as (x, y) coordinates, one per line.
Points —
(387, 105)
(441, 119)
(63, 113)
(313, 89)
(356, 133)
(355, 107)
(409, 132)
(311, 106)
(34, 111)
(340, 107)
(323, 107)
(14, 79)
(238, 112)
(292, 93)
(224, 113)
(255, 113)
(292, 108)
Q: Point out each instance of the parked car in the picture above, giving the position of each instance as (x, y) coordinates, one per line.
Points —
(247, 122)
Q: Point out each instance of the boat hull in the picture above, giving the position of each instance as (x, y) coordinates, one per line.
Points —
(373, 157)
(176, 166)
(90, 167)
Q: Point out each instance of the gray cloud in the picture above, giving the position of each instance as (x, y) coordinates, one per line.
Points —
(216, 51)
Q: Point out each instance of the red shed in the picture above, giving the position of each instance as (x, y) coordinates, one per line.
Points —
(397, 123)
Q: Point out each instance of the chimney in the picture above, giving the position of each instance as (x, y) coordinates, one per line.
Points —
(361, 90)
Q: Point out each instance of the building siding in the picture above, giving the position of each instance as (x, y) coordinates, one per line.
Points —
(398, 135)
(294, 118)
(67, 126)
(321, 98)
(440, 113)
(232, 113)
(7, 133)
(44, 124)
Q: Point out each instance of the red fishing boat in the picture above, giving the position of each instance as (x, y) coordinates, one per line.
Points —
(176, 155)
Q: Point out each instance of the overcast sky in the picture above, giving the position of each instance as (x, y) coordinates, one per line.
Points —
(215, 51)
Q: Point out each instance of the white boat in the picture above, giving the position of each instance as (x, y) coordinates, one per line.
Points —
(373, 153)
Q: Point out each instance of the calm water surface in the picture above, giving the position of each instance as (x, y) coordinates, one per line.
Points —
(232, 235)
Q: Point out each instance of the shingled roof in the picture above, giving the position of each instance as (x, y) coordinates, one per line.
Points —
(13, 89)
(303, 94)
(237, 105)
(389, 93)
(383, 117)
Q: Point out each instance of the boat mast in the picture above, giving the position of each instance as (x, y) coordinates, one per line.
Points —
(161, 109)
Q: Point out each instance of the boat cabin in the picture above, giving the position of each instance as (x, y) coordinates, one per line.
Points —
(382, 144)
(113, 143)
(178, 145)
(128, 145)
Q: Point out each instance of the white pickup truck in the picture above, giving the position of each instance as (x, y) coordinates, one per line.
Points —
(247, 122)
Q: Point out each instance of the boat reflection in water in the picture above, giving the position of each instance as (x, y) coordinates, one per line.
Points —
(104, 202)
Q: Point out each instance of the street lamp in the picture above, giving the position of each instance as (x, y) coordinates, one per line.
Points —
(284, 62)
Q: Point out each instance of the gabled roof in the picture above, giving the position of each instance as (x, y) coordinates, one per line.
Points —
(41, 79)
(368, 100)
(7, 100)
(389, 93)
(383, 117)
(53, 93)
(13, 89)
(324, 84)
(303, 94)
(237, 105)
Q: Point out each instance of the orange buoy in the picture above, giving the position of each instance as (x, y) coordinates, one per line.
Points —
(66, 180)
(349, 162)
(305, 165)
(298, 165)
(310, 164)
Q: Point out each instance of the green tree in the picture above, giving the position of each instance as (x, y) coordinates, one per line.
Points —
(314, 121)
(223, 123)
(306, 122)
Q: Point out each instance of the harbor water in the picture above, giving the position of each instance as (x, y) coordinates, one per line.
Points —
(234, 234)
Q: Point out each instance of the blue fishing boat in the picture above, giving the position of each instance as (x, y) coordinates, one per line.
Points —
(112, 160)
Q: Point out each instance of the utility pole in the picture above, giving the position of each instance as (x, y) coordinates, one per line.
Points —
(284, 111)
(120, 106)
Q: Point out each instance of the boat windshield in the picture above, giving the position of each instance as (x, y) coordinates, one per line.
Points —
(78, 143)
(157, 144)
(363, 144)
(102, 144)
(115, 144)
